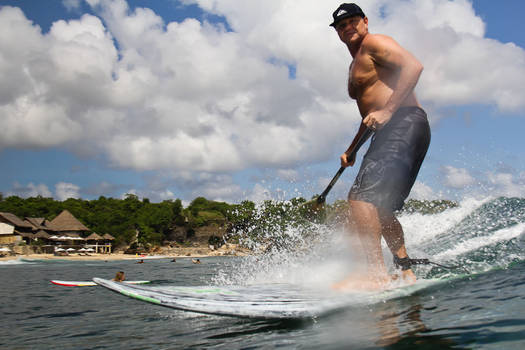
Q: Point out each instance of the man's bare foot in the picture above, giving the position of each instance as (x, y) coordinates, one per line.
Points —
(408, 276)
(363, 283)
(349, 283)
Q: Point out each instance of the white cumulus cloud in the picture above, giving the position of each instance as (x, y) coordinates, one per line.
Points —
(29, 190)
(457, 177)
(506, 184)
(420, 191)
(65, 190)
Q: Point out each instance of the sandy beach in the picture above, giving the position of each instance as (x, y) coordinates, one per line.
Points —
(193, 252)
(115, 256)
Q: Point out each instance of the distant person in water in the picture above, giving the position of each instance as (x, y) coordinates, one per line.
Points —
(119, 277)
(173, 260)
(195, 261)
(140, 262)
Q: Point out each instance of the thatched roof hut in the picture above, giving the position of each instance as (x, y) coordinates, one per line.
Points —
(28, 235)
(108, 237)
(37, 223)
(94, 237)
(19, 224)
(65, 222)
(42, 234)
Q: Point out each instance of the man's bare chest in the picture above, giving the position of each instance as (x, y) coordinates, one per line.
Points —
(362, 73)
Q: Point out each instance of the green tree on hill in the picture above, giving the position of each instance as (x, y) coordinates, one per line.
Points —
(270, 221)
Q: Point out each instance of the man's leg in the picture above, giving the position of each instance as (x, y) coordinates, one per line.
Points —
(366, 223)
(395, 239)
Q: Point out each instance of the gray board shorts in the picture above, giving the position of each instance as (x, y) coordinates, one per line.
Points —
(391, 164)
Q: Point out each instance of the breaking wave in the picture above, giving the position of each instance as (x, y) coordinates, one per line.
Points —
(476, 236)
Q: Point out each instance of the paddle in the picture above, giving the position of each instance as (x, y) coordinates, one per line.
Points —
(316, 203)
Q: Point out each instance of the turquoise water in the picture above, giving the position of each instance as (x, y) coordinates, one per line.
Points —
(481, 306)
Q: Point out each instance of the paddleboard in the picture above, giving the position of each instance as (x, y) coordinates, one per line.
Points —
(88, 283)
(276, 301)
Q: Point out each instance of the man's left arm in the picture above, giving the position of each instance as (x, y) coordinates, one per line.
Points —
(388, 54)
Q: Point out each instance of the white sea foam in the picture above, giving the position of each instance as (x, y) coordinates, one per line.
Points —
(331, 255)
(420, 228)
(17, 261)
(316, 262)
(476, 243)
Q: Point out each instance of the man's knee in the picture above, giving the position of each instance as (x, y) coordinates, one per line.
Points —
(363, 213)
(366, 208)
(361, 205)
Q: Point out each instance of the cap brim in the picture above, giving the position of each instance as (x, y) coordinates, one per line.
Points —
(346, 15)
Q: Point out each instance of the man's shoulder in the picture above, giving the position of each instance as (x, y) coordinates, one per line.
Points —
(372, 41)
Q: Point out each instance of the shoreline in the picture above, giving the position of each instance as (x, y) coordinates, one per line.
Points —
(97, 257)
(177, 253)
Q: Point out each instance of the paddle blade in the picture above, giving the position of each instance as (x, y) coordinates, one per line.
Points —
(314, 209)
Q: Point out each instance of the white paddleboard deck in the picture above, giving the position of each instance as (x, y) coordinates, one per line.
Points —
(88, 283)
(274, 301)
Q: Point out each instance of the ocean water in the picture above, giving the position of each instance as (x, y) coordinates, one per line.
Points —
(480, 305)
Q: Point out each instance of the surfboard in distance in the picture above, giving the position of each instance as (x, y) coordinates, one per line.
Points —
(88, 283)
(276, 301)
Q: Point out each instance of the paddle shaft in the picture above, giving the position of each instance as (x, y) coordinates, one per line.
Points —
(366, 134)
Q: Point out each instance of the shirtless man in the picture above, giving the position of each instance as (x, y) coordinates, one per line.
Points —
(382, 78)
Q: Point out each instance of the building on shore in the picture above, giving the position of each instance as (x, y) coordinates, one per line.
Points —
(39, 224)
(13, 228)
(64, 231)
(7, 234)
(65, 224)
(97, 242)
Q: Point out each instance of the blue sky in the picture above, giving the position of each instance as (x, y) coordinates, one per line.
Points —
(247, 100)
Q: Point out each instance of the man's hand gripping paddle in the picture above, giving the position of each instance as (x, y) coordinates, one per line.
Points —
(317, 203)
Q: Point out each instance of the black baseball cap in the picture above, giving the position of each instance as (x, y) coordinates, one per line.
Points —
(346, 10)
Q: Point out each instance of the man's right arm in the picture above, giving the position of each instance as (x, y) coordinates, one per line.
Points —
(346, 161)
(386, 52)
